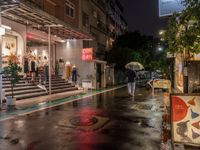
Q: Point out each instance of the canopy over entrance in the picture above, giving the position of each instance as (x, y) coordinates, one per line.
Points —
(28, 14)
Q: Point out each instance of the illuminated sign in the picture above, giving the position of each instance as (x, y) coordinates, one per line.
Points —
(168, 7)
(87, 54)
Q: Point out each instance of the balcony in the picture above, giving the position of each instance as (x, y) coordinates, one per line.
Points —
(101, 25)
(100, 4)
(36, 3)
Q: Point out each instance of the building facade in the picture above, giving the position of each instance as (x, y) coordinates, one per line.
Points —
(76, 27)
(116, 24)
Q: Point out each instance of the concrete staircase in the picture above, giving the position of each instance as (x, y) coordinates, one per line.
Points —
(24, 90)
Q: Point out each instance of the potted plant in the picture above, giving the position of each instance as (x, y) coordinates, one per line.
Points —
(11, 72)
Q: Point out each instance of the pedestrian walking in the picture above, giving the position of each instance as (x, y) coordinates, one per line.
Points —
(131, 75)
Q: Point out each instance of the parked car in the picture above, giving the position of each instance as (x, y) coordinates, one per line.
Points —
(142, 78)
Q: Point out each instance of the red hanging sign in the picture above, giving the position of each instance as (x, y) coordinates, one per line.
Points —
(87, 54)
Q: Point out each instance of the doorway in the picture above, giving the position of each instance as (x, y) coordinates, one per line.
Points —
(98, 76)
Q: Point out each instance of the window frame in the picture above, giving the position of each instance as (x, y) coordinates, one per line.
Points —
(70, 6)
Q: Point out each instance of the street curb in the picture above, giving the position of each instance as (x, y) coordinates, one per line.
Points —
(50, 104)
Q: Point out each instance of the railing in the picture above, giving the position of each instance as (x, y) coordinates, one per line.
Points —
(101, 25)
(100, 3)
(37, 3)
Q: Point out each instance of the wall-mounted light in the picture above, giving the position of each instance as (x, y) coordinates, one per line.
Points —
(2, 31)
(6, 27)
(62, 41)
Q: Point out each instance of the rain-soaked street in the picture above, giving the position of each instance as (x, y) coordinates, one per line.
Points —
(110, 120)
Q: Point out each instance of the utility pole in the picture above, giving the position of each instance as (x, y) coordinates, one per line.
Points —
(1, 100)
(49, 48)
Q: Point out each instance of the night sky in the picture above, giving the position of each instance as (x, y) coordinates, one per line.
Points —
(142, 15)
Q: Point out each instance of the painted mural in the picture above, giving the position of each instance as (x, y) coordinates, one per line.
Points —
(186, 119)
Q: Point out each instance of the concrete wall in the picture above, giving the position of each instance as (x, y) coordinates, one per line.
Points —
(71, 51)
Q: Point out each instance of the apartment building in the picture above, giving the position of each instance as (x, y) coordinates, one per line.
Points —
(116, 24)
(65, 10)
(85, 24)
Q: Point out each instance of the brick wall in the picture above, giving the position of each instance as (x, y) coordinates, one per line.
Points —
(57, 8)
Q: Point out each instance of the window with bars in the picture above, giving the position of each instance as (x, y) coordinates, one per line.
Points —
(69, 9)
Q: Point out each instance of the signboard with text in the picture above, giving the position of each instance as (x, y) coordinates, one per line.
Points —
(161, 83)
(87, 54)
(185, 117)
(168, 7)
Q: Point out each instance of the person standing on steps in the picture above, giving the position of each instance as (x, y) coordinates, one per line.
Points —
(26, 69)
(131, 75)
(74, 74)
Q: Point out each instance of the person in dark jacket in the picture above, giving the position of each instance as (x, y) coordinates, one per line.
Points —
(131, 75)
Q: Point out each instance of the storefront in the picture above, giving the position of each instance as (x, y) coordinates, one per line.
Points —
(192, 71)
(13, 42)
(37, 36)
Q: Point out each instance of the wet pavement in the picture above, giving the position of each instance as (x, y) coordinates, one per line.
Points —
(110, 120)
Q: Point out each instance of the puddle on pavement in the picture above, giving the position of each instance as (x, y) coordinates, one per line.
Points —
(33, 145)
(14, 141)
(146, 123)
(5, 137)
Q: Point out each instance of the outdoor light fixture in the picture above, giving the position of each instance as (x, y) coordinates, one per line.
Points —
(161, 32)
(62, 41)
(162, 39)
(6, 27)
(2, 31)
(160, 48)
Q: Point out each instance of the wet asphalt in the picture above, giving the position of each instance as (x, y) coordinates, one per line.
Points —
(108, 121)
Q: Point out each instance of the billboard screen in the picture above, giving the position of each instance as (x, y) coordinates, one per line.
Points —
(168, 7)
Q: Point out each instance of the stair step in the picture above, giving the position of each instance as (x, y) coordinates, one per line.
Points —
(53, 78)
(52, 82)
(21, 88)
(24, 92)
(60, 87)
(57, 84)
(17, 85)
(30, 95)
(8, 82)
(64, 90)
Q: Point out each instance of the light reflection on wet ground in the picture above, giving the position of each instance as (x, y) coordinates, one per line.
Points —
(111, 121)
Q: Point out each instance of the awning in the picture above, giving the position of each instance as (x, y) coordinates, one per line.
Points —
(28, 14)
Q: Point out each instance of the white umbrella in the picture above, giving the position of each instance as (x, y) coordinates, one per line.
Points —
(134, 66)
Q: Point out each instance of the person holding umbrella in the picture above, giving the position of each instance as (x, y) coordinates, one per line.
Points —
(131, 75)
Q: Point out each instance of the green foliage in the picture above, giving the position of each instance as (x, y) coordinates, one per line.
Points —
(121, 56)
(132, 46)
(12, 73)
(183, 32)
